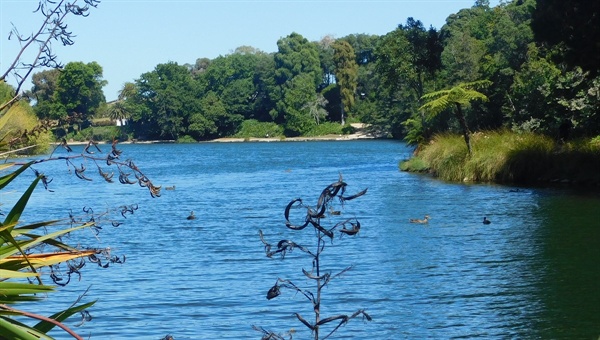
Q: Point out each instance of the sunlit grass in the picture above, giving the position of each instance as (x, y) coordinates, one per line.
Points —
(19, 118)
(508, 157)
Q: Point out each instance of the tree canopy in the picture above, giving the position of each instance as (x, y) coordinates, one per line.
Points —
(541, 81)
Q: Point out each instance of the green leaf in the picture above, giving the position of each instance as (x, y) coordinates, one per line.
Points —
(12, 329)
(5, 180)
(10, 274)
(41, 239)
(17, 210)
(12, 288)
(12, 292)
(45, 327)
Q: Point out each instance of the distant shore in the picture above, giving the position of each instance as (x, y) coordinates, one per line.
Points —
(359, 133)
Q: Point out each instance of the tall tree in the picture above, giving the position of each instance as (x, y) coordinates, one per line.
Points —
(463, 58)
(79, 91)
(44, 85)
(573, 26)
(346, 74)
(326, 51)
(295, 57)
(42, 93)
(300, 92)
(167, 99)
(407, 61)
(368, 80)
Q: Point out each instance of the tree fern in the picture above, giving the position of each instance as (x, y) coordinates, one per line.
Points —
(462, 94)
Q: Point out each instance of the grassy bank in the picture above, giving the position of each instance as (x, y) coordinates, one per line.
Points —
(508, 157)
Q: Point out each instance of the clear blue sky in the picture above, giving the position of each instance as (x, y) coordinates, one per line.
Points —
(130, 37)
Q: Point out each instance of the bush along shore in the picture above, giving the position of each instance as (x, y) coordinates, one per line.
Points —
(507, 157)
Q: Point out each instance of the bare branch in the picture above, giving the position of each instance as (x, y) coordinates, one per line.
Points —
(53, 27)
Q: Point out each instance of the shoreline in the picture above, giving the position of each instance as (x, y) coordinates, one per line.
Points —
(243, 140)
(360, 133)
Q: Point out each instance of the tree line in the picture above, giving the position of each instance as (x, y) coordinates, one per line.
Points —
(543, 76)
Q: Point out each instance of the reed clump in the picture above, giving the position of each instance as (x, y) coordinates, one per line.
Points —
(505, 156)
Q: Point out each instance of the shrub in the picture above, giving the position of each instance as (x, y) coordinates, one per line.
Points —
(98, 133)
(327, 128)
(186, 139)
(252, 128)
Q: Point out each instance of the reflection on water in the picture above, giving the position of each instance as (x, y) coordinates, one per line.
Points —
(569, 284)
(532, 273)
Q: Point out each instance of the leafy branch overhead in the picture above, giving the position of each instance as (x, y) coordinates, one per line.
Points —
(314, 217)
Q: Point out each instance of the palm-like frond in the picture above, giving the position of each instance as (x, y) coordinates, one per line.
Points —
(457, 96)
(463, 94)
(436, 104)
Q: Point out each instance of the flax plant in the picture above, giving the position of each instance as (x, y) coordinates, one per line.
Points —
(314, 220)
(27, 249)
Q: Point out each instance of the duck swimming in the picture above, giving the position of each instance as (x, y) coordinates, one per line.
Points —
(192, 216)
(486, 221)
(423, 221)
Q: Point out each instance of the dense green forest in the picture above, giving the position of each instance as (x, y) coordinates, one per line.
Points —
(540, 62)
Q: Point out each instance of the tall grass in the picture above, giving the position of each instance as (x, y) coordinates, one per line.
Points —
(508, 157)
(19, 118)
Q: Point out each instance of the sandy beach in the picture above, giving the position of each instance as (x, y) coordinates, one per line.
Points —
(360, 133)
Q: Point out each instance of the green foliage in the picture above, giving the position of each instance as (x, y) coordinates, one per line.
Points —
(213, 120)
(297, 73)
(463, 57)
(346, 74)
(164, 102)
(328, 128)
(462, 94)
(17, 261)
(415, 134)
(185, 140)
(456, 97)
(242, 81)
(97, 133)
(573, 25)
(20, 128)
(252, 128)
(79, 91)
(299, 91)
(531, 107)
(45, 84)
(296, 55)
(509, 157)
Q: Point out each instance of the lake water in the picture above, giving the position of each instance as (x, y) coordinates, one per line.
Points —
(533, 273)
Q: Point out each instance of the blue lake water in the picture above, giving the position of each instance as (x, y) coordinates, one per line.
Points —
(533, 273)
